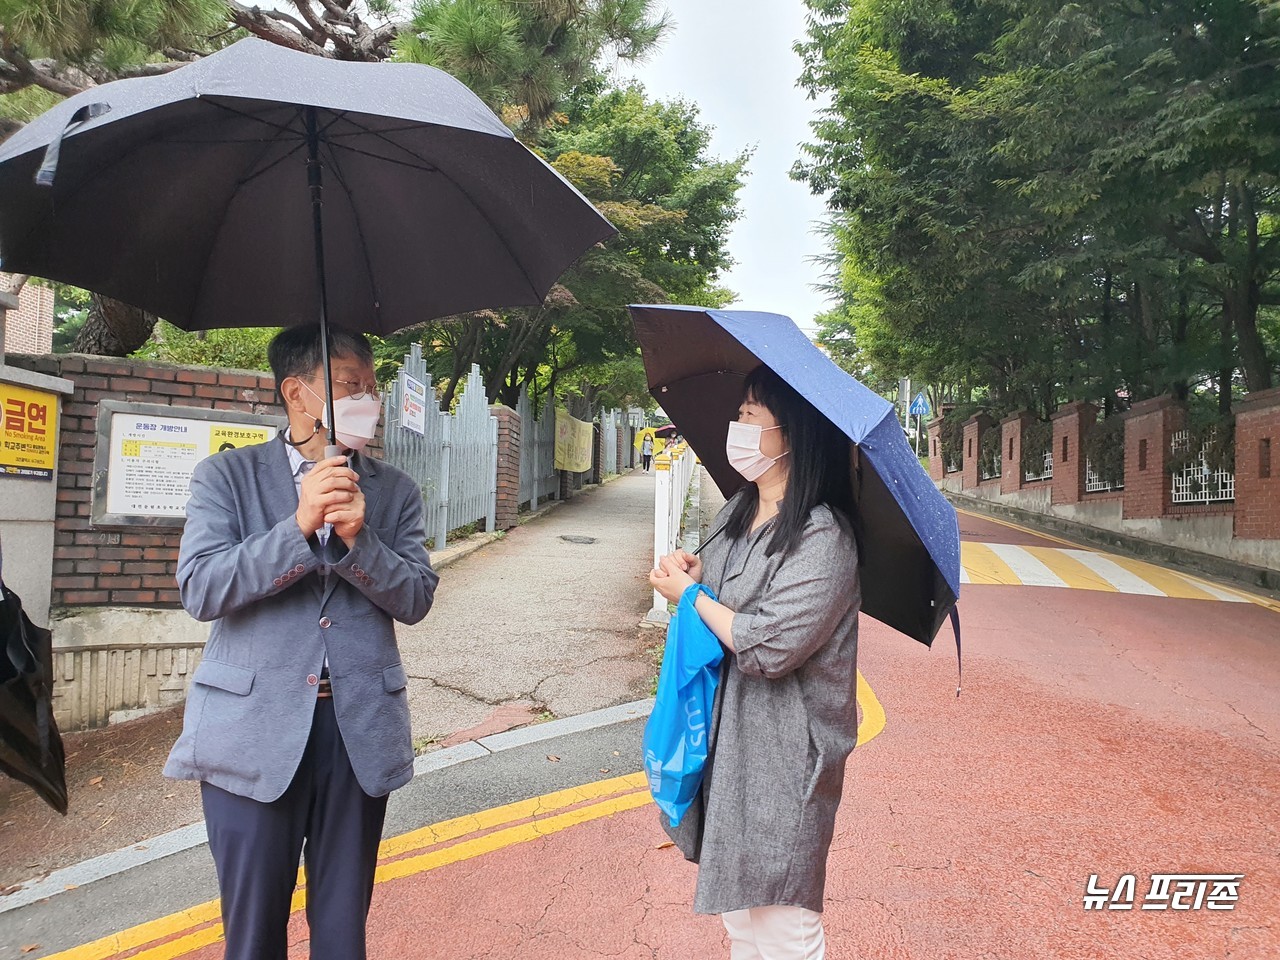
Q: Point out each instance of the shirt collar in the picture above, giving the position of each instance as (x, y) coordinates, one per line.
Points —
(296, 460)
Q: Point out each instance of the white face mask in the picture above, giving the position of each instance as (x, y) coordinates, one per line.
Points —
(743, 447)
(357, 420)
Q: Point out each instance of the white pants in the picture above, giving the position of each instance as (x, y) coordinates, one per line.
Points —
(775, 933)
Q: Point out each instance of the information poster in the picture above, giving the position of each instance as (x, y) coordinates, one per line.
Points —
(413, 408)
(151, 459)
(28, 432)
(573, 443)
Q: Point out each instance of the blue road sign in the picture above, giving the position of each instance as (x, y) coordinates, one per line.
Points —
(919, 406)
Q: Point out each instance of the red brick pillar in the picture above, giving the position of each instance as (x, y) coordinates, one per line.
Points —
(508, 507)
(1011, 428)
(1258, 466)
(1149, 427)
(1071, 424)
(937, 469)
(973, 430)
(622, 444)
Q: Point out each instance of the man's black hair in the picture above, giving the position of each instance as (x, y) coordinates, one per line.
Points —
(818, 467)
(295, 351)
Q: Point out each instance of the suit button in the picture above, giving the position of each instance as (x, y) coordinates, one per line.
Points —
(325, 622)
(312, 679)
(299, 568)
(277, 581)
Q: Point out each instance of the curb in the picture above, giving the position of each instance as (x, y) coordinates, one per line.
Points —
(1239, 574)
(185, 838)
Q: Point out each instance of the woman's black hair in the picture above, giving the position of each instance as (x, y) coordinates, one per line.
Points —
(819, 463)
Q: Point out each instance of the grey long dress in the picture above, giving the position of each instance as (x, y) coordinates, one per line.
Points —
(785, 721)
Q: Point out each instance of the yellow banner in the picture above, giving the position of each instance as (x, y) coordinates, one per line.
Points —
(226, 436)
(28, 432)
(573, 443)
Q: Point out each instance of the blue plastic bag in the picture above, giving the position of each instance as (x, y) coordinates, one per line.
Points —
(675, 738)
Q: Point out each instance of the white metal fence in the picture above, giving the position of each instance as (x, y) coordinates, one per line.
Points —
(454, 459)
(1198, 482)
(674, 470)
(1045, 472)
(538, 476)
(610, 424)
(1095, 483)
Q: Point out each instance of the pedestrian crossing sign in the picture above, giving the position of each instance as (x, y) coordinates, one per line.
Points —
(919, 406)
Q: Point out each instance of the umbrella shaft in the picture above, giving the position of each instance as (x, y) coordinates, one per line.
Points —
(314, 172)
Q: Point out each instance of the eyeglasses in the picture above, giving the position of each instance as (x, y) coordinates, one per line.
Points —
(356, 389)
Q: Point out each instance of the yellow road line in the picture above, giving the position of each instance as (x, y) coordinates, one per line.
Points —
(873, 719)
(1019, 527)
(620, 794)
(984, 567)
(1072, 572)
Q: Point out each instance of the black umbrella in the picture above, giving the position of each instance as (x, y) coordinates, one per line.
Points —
(30, 745)
(215, 195)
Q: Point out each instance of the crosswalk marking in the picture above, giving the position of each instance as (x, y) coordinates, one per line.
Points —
(1028, 568)
(1011, 565)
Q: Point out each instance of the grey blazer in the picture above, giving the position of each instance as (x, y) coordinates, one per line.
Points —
(244, 565)
(785, 721)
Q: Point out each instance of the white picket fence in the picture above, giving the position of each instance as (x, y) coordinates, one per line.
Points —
(610, 424)
(538, 476)
(455, 458)
(674, 470)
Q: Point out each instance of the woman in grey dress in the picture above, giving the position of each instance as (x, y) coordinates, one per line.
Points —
(781, 557)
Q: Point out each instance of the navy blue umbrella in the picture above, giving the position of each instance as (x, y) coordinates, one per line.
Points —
(696, 360)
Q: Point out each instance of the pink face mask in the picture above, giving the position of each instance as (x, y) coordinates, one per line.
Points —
(743, 448)
(356, 420)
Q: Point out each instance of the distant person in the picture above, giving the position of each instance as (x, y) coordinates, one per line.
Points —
(646, 451)
(297, 723)
(781, 557)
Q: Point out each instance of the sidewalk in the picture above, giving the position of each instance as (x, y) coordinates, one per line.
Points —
(528, 627)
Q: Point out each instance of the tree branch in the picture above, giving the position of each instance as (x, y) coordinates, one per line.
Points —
(259, 24)
(1195, 241)
(47, 74)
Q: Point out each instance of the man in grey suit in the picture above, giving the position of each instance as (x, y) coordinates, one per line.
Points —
(297, 723)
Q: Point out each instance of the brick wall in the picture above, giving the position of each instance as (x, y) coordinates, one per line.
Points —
(973, 429)
(29, 329)
(508, 506)
(1011, 428)
(1257, 506)
(1148, 431)
(1070, 426)
(937, 469)
(135, 567)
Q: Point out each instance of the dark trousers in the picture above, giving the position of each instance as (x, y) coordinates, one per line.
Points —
(256, 847)
(647, 457)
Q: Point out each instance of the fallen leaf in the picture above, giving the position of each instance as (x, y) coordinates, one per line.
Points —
(31, 948)
(604, 769)
(616, 753)
(665, 844)
(95, 781)
(553, 758)
(142, 846)
(168, 796)
(72, 886)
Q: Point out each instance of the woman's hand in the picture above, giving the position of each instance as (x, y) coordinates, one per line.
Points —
(672, 575)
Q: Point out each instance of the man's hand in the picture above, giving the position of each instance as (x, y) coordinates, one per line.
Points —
(330, 487)
(348, 519)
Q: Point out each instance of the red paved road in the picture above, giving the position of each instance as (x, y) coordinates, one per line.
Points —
(1097, 733)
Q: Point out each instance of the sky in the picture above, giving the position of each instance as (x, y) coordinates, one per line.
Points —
(733, 58)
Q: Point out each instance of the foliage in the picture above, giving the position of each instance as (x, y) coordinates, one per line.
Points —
(951, 437)
(70, 310)
(990, 455)
(240, 349)
(1104, 450)
(1037, 440)
(1210, 436)
(1044, 202)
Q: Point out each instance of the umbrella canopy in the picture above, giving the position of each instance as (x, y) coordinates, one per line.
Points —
(187, 194)
(696, 360)
(668, 431)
